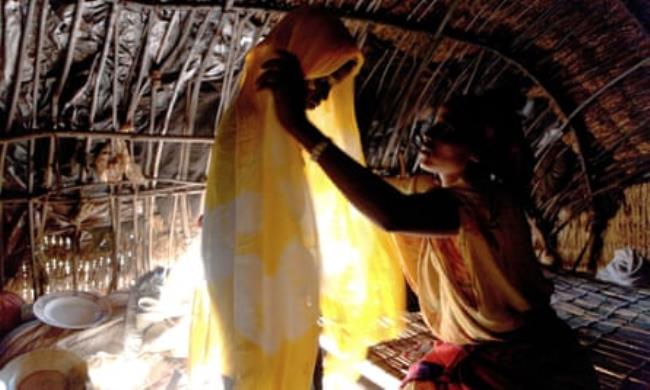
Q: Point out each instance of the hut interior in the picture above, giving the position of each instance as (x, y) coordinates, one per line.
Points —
(108, 111)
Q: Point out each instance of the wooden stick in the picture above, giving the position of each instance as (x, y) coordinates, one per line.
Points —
(224, 84)
(396, 51)
(41, 228)
(228, 84)
(374, 6)
(373, 70)
(30, 167)
(180, 44)
(185, 153)
(537, 121)
(36, 284)
(142, 56)
(529, 6)
(32, 242)
(155, 84)
(219, 108)
(3, 159)
(170, 241)
(37, 62)
(426, 59)
(150, 216)
(116, 230)
(177, 87)
(18, 74)
(51, 154)
(452, 49)
(76, 22)
(198, 78)
(160, 65)
(415, 9)
(426, 10)
(116, 67)
(469, 26)
(136, 234)
(146, 239)
(472, 76)
(76, 250)
(193, 108)
(28, 135)
(165, 40)
(398, 74)
(500, 72)
(36, 198)
(102, 64)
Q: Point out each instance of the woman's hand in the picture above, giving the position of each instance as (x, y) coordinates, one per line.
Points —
(284, 78)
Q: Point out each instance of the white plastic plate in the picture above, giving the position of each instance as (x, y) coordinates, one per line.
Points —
(45, 369)
(72, 310)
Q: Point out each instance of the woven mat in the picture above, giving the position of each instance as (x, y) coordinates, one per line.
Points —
(612, 322)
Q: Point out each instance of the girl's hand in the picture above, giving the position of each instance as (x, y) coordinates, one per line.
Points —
(284, 78)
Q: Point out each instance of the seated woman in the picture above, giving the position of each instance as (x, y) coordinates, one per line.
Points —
(480, 289)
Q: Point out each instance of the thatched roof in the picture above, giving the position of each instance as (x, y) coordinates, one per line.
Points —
(159, 74)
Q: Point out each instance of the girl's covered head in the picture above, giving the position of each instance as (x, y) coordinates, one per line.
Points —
(320, 41)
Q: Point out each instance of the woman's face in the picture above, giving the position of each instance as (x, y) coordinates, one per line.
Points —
(441, 150)
(444, 158)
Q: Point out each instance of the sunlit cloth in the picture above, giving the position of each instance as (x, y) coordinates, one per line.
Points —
(264, 245)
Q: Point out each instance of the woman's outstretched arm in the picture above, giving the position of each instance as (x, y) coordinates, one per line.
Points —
(434, 212)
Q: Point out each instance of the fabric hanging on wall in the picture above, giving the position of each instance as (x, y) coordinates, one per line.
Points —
(270, 258)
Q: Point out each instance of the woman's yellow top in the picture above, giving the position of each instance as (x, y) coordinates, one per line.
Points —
(478, 284)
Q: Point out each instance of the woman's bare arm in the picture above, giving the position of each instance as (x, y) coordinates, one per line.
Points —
(434, 212)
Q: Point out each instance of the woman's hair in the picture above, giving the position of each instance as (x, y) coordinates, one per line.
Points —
(490, 125)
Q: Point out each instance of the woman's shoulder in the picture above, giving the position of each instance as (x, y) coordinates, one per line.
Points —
(489, 195)
(487, 206)
(415, 184)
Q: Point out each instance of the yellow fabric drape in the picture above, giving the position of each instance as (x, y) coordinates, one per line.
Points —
(267, 251)
(362, 294)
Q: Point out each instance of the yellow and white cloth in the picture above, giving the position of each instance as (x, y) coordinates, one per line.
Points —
(281, 245)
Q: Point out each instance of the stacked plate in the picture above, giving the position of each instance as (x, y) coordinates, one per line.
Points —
(51, 369)
(72, 310)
